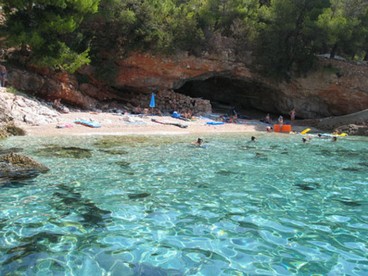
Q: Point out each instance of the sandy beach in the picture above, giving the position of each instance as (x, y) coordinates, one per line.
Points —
(118, 124)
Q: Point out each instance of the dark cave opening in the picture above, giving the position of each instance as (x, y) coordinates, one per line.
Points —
(247, 96)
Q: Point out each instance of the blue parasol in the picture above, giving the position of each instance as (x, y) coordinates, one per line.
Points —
(152, 102)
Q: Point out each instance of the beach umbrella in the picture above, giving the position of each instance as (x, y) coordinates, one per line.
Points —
(152, 102)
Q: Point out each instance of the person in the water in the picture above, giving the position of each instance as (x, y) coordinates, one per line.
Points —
(199, 142)
(253, 139)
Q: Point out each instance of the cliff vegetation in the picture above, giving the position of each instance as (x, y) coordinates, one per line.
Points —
(280, 37)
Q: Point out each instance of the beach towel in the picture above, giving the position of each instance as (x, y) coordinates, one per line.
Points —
(87, 123)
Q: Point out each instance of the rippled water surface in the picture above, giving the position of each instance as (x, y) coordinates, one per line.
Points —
(161, 206)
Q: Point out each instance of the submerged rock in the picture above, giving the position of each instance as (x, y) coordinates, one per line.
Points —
(10, 150)
(123, 163)
(14, 166)
(308, 186)
(68, 200)
(138, 195)
(9, 129)
(115, 151)
(350, 202)
(117, 141)
(64, 152)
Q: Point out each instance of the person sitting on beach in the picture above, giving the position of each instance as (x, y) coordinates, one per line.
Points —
(137, 110)
(59, 107)
(233, 112)
(156, 112)
(187, 115)
(233, 119)
(268, 119)
(281, 121)
(145, 112)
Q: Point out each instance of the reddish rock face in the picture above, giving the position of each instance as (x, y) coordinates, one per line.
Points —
(144, 72)
(337, 88)
(341, 101)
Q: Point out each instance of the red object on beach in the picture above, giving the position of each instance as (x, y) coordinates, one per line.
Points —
(284, 128)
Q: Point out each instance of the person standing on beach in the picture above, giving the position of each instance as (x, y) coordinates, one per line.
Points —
(292, 114)
(281, 121)
(268, 119)
(3, 75)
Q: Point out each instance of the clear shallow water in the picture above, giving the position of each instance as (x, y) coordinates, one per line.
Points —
(160, 206)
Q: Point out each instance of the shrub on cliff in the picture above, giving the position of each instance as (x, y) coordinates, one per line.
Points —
(48, 30)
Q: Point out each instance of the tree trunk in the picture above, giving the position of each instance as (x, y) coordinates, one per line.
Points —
(333, 51)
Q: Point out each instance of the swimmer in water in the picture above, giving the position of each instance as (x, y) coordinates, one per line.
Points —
(199, 142)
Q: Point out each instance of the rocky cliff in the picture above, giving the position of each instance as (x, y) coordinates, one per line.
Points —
(334, 88)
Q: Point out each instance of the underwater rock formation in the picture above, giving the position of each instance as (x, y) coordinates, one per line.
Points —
(64, 152)
(15, 166)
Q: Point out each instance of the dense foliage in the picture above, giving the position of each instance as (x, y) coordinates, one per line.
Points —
(48, 30)
(282, 36)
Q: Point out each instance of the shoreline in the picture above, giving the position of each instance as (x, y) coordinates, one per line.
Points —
(118, 124)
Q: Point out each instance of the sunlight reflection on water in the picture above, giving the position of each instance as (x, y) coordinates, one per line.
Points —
(161, 206)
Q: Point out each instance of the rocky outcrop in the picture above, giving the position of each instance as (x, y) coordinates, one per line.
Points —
(50, 86)
(10, 129)
(331, 123)
(15, 166)
(335, 88)
(351, 129)
(169, 101)
(22, 108)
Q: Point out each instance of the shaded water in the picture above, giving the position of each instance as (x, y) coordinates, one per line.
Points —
(160, 206)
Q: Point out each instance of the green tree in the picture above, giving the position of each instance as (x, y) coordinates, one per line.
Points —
(340, 22)
(131, 24)
(186, 32)
(48, 29)
(285, 44)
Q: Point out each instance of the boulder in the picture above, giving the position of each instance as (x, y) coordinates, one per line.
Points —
(359, 130)
(331, 123)
(9, 129)
(17, 109)
(14, 166)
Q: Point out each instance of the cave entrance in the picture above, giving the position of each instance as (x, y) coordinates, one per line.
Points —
(249, 97)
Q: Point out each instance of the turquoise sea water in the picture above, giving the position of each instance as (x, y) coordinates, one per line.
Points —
(161, 206)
